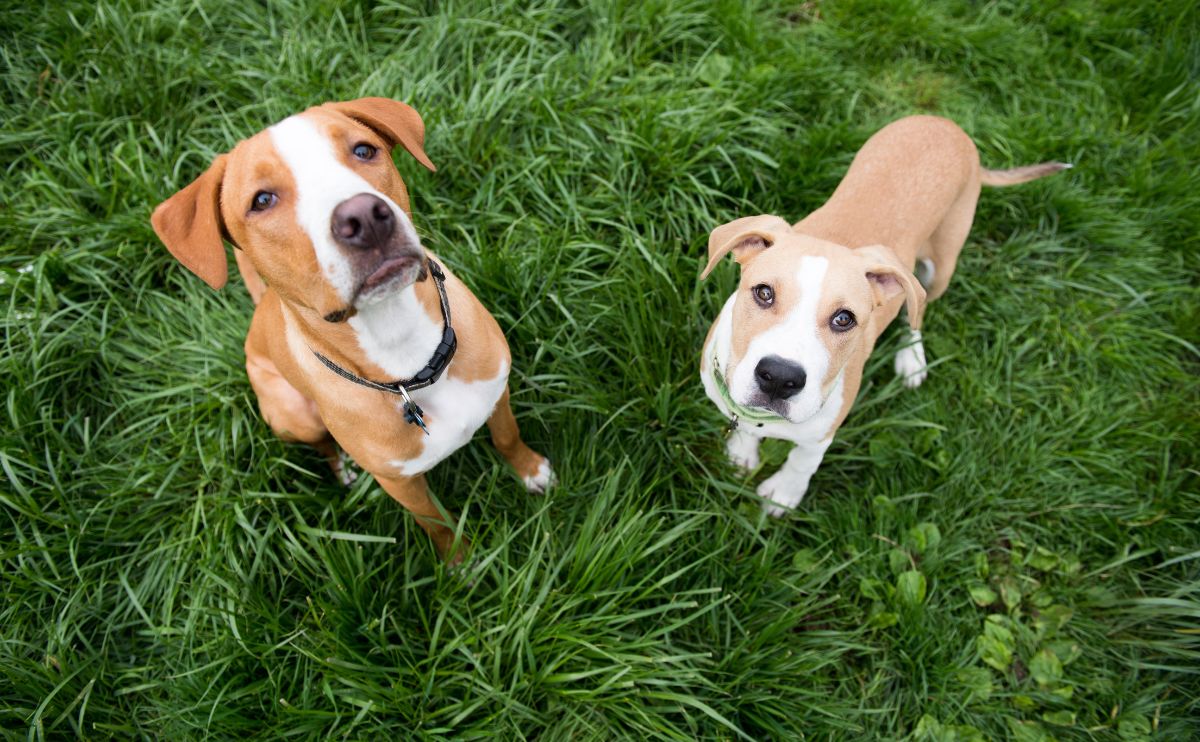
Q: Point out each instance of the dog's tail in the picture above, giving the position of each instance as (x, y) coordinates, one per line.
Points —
(1022, 174)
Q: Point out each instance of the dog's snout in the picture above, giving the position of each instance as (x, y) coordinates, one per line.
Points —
(364, 221)
(778, 378)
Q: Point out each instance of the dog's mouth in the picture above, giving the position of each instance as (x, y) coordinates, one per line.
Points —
(391, 273)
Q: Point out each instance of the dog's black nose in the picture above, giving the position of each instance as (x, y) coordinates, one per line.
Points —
(364, 221)
(779, 379)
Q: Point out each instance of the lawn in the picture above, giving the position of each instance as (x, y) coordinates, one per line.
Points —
(1011, 551)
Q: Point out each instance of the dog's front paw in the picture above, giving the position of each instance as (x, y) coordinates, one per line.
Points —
(541, 480)
(782, 493)
(910, 362)
(742, 450)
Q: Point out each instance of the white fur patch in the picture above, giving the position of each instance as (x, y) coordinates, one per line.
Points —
(910, 361)
(926, 270)
(543, 480)
(323, 182)
(794, 339)
(454, 410)
(396, 333)
(784, 489)
(742, 449)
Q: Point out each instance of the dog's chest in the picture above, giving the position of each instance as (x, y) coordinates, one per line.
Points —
(453, 410)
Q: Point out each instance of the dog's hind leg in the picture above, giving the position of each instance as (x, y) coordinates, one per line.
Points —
(291, 415)
(947, 241)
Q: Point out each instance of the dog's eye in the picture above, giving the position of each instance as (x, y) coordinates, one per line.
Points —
(842, 320)
(763, 294)
(263, 200)
(364, 151)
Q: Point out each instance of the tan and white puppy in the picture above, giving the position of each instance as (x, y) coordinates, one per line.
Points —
(785, 357)
(329, 253)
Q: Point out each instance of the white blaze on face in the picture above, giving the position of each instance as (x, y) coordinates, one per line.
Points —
(323, 182)
(794, 338)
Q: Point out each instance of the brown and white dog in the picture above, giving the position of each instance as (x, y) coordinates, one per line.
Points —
(329, 253)
(785, 357)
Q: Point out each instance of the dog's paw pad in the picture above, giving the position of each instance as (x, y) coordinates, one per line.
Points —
(542, 480)
(911, 366)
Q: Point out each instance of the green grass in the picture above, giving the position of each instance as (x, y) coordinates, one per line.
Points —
(170, 570)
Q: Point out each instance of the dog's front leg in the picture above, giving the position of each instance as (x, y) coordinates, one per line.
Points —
(533, 468)
(413, 494)
(785, 488)
(742, 449)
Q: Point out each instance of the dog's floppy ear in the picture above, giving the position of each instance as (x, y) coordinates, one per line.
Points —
(744, 237)
(189, 224)
(396, 122)
(889, 277)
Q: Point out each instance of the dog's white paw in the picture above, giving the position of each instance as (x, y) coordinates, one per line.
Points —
(910, 362)
(783, 491)
(543, 480)
(742, 450)
(345, 469)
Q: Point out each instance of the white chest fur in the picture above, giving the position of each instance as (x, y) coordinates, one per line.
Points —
(453, 411)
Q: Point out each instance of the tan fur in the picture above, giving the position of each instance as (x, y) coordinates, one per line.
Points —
(301, 399)
(909, 195)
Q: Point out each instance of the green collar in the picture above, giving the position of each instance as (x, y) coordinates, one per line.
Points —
(739, 412)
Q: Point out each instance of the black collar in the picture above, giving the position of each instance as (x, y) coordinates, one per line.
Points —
(437, 363)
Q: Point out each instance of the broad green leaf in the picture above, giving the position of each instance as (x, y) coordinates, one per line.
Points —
(1052, 618)
(977, 681)
(1045, 668)
(715, 68)
(924, 536)
(910, 588)
(1042, 559)
(1067, 651)
(993, 652)
(1022, 702)
(883, 620)
(996, 644)
(898, 561)
(1061, 718)
(1026, 731)
(1010, 593)
(982, 568)
(805, 561)
(982, 595)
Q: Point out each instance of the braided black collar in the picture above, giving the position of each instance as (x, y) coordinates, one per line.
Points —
(426, 376)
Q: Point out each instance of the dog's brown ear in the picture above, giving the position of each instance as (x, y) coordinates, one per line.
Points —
(189, 224)
(396, 122)
(745, 238)
(889, 277)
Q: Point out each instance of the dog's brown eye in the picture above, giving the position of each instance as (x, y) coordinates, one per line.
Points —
(263, 200)
(842, 320)
(763, 294)
(364, 151)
